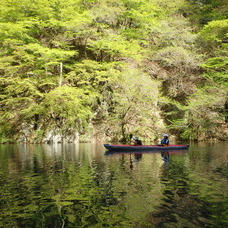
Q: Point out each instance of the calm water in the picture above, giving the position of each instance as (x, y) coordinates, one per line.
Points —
(80, 186)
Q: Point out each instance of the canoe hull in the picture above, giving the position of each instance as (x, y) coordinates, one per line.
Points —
(129, 148)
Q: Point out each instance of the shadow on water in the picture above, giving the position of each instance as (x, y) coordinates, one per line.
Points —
(78, 186)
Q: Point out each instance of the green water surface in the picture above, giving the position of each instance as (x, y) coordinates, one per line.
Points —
(80, 186)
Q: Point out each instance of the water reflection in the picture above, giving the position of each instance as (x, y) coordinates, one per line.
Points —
(137, 157)
(78, 186)
(165, 156)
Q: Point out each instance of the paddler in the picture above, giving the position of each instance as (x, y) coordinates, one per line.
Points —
(165, 140)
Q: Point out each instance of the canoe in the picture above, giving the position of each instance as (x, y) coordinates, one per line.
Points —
(113, 147)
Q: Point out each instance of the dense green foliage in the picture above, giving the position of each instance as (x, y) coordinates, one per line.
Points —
(111, 68)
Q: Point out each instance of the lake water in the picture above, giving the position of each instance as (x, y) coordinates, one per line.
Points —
(80, 186)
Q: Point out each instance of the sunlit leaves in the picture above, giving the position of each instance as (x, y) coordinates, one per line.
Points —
(49, 55)
(204, 113)
(14, 31)
(217, 69)
(202, 12)
(176, 32)
(84, 45)
(215, 31)
(135, 104)
(107, 12)
(114, 47)
(177, 57)
(69, 105)
(92, 75)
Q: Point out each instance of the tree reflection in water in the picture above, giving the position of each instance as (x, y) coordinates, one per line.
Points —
(77, 186)
(137, 158)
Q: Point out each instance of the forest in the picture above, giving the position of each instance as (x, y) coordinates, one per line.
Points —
(104, 69)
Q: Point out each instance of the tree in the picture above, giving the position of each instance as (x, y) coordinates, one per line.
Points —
(19, 99)
(135, 107)
(203, 118)
(214, 38)
(203, 11)
(68, 108)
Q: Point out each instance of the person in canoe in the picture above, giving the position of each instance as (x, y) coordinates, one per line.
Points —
(137, 141)
(165, 140)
